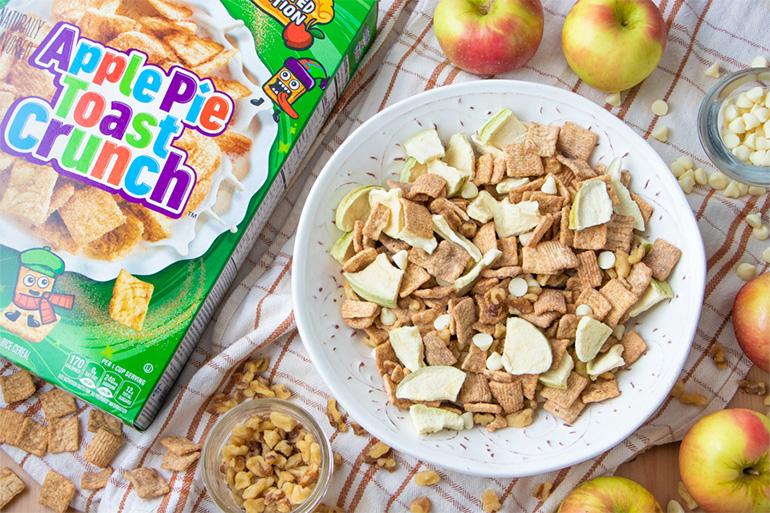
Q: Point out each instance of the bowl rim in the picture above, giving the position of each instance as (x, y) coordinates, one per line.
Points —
(710, 138)
(696, 277)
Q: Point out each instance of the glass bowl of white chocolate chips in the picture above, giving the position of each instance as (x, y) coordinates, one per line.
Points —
(734, 126)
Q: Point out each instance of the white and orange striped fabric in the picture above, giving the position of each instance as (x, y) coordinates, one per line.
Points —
(257, 318)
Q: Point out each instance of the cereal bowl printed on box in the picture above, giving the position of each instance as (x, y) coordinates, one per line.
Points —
(387, 152)
(230, 168)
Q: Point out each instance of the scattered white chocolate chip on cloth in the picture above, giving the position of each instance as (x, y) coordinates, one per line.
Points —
(257, 319)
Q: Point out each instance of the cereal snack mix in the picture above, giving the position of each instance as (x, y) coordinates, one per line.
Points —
(143, 145)
(496, 282)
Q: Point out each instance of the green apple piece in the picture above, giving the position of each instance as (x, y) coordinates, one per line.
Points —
(610, 360)
(482, 208)
(463, 284)
(412, 170)
(379, 282)
(460, 155)
(516, 218)
(508, 184)
(428, 245)
(432, 383)
(590, 337)
(655, 293)
(392, 200)
(526, 350)
(557, 378)
(502, 129)
(424, 146)
(407, 344)
(342, 249)
(483, 147)
(638, 239)
(427, 419)
(353, 207)
(626, 205)
(441, 226)
(592, 205)
(455, 179)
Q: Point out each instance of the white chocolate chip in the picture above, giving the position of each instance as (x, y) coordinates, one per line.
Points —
(701, 177)
(766, 255)
(469, 191)
(758, 159)
(750, 121)
(750, 141)
(743, 189)
(442, 322)
(659, 107)
(687, 181)
(718, 180)
(730, 112)
(660, 133)
(712, 71)
(619, 331)
(743, 101)
(583, 309)
(746, 271)
(731, 191)
(762, 113)
(754, 219)
(387, 317)
(761, 233)
(755, 190)
(524, 238)
(495, 361)
(731, 140)
(686, 161)
(737, 126)
(401, 259)
(518, 287)
(755, 94)
(606, 260)
(674, 507)
(549, 186)
(614, 99)
(482, 340)
(761, 142)
(742, 152)
(760, 61)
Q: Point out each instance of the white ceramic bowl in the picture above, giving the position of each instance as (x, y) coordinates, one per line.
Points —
(345, 363)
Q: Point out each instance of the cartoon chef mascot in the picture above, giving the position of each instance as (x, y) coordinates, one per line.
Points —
(295, 78)
(33, 297)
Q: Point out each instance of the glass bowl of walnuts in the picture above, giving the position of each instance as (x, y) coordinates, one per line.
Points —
(267, 456)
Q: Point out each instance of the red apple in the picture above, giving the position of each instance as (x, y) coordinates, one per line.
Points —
(724, 462)
(751, 320)
(487, 37)
(610, 495)
(613, 44)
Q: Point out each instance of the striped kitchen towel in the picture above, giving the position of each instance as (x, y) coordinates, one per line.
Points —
(257, 318)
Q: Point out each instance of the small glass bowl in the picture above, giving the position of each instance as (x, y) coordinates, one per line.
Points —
(710, 125)
(214, 480)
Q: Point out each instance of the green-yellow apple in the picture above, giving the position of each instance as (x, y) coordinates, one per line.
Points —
(613, 45)
(751, 320)
(724, 462)
(610, 495)
(487, 37)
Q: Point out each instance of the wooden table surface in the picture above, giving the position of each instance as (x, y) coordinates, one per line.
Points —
(656, 469)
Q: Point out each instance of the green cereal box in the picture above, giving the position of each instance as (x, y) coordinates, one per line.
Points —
(143, 144)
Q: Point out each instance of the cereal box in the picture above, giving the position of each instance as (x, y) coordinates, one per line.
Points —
(143, 143)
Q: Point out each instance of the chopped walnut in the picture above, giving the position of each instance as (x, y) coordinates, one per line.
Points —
(717, 354)
(426, 478)
(334, 416)
(753, 387)
(490, 502)
(543, 491)
(420, 505)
